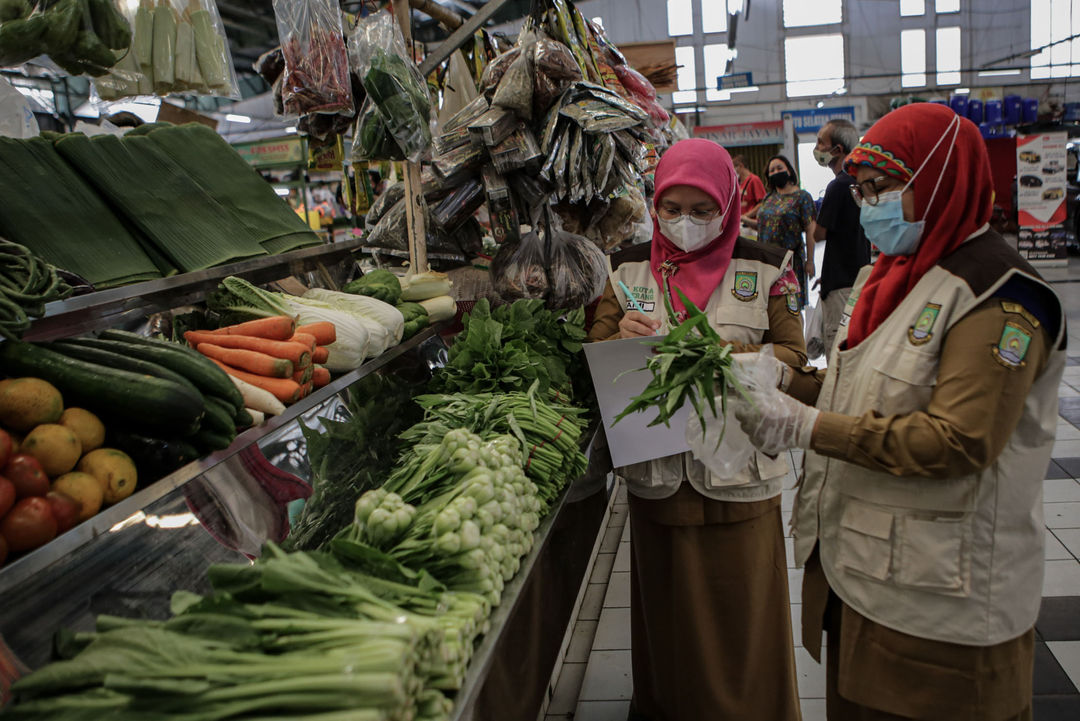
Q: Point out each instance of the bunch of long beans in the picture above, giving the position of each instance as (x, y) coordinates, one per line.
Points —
(690, 363)
(27, 283)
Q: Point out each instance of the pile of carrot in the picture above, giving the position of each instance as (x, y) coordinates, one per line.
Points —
(273, 354)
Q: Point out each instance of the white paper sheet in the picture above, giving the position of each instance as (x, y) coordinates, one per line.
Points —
(631, 440)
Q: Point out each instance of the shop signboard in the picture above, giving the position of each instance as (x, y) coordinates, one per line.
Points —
(273, 152)
(810, 121)
(735, 80)
(743, 134)
(1041, 187)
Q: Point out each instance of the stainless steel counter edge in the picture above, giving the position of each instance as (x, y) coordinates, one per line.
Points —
(17, 571)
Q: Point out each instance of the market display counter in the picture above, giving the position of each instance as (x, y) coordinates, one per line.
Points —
(129, 560)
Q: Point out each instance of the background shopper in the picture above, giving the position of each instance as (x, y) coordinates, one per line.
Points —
(837, 225)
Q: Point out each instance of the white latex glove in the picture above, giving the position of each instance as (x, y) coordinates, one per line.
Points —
(775, 421)
(761, 370)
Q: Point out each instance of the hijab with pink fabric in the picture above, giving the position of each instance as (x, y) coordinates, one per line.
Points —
(704, 165)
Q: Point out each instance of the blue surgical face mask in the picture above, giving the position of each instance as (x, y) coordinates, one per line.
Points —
(884, 222)
(886, 228)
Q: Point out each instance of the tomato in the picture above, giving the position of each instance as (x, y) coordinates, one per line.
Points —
(26, 473)
(65, 510)
(7, 495)
(28, 524)
(7, 447)
(3, 550)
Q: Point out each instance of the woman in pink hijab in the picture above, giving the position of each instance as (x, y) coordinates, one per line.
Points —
(709, 612)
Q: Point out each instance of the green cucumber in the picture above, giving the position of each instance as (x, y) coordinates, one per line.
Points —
(112, 354)
(188, 362)
(212, 441)
(134, 398)
(154, 457)
(219, 417)
(243, 419)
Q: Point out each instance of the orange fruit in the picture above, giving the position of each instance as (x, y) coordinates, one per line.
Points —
(55, 447)
(29, 402)
(86, 426)
(114, 470)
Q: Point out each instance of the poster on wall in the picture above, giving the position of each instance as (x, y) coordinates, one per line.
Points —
(743, 134)
(1041, 185)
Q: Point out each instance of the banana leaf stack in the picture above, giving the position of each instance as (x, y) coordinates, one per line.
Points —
(51, 210)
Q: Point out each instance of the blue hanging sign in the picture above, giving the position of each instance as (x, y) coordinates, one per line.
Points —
(735, 80)
(810, 121)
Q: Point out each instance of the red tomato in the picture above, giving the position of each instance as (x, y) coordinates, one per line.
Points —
(3, 550)
(6, 446)
(26, 473)
(7, 495)
(65, 510)
(28, 525)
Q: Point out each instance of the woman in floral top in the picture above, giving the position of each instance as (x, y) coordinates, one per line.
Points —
(786, 213)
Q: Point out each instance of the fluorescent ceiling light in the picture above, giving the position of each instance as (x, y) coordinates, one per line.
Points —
(281, 191)
(962, 91)
(237, 118)
(291, 129)
(747, 89)
(998, 73)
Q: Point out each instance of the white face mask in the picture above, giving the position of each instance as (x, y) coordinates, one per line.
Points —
(688, 235)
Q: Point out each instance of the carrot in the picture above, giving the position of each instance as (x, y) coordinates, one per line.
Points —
(305, 390)
(278, 327)
(304, 339)
(324, 331)
(303, 375)
(297, 353)
(249, 360)
(285, 390)
(320, 377)
(321, 354)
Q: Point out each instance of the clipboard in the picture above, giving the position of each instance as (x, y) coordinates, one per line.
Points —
(632, 441)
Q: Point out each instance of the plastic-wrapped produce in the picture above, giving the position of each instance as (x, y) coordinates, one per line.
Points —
(515, 89)
(459, 206)
(577, 270)
(385, 202)
(393, 82)
(554, 69)
(519, 269)
(495, 70)
(316, 76)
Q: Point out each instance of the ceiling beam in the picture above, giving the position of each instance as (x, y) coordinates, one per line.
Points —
(460, 36)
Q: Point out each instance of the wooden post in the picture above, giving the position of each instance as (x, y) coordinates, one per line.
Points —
(414, 200)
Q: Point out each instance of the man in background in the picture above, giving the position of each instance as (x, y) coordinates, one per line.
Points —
(751, 189)
(846, 247)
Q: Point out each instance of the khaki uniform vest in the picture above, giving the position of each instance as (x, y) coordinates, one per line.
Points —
(738, 311)
(960, 559)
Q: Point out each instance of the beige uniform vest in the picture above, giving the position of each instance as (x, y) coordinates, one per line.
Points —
(738, 311)
(957, 560)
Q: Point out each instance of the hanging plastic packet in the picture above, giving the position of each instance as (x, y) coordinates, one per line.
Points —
(577, 270)
(495, 70)
(371, 138)
(515, 88)
(316, 76)
(456, 208)
(393, 82)
(384, 203)
(80, 36)
(519, 269)
(554, 69)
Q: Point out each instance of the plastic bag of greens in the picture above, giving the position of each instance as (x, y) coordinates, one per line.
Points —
(177, 46)
(385, 202)
(577, 270)
(371, 138)
(316, 78)
(80, 36)
(393, 82)
(519, 269)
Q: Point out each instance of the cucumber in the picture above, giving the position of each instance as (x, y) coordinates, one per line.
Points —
(212, 441)
(133, 398)
(243, 419)
(154, 457)
(219, 417)
(111, 354)
(188, 362)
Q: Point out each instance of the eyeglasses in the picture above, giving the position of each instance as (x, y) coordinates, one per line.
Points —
(867, 191)
(697, 217)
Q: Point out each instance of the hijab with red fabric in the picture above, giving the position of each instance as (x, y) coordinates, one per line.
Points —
(706, 166)
(902, 144)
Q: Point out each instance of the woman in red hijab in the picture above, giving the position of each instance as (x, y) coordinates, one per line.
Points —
(710, 623)
(919, 517)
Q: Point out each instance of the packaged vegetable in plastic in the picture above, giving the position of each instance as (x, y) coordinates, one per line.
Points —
(518, 270)
(316, 76)
(177, 46)
(515, 89)
(456, 208)
(81, 36)
(554, 69)
(371, 138)
(384, 202)
(577, 269)
(635, 82)
(495, 70)
(393, 82)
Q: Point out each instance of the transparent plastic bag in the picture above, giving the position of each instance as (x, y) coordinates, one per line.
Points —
(177, 46)
(723, 447)
(316, 78)
(392, 80)
(554, 69)
(577, 270)
(79, 36)
(814, 331)
(518, 270)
